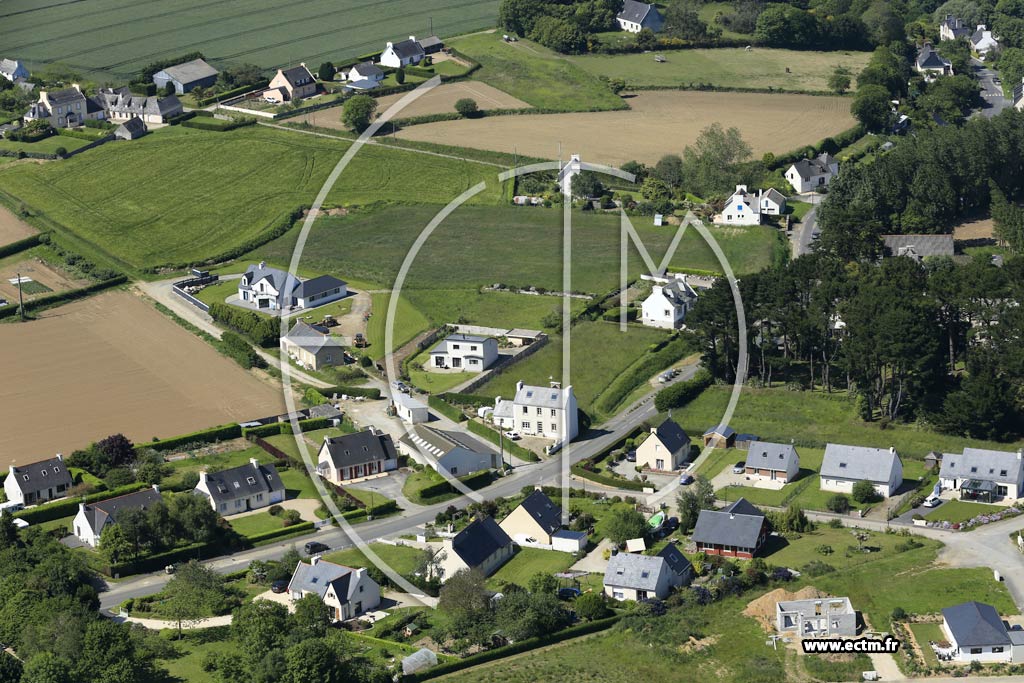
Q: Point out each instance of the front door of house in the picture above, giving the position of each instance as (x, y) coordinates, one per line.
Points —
(659, 464)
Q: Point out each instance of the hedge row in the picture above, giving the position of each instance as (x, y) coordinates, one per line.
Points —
(638, 373)
(493, 436)
(184, 116)
(221, 433)
(473, 482)
(260, 330)
(145, 88)
(449, 411)
(614, 482)
(81, 134)
(844, 139)
(275, 428)
(514, 649)
(22, 154)
(234, 346)
(217, 125)
(69, 506)
(293, 530)
(681, 393)
(64, 297)
(378, 510)
(373, 393)
(227, 94)
(271, 429)
(20, 245)
(143, 565)
(474, 400)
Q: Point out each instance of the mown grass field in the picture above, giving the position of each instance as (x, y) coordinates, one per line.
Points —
(726, 67)
(961, 511)
(528, 562)
(409, 322)
(536, 75)
(48, 145)
(478, 246)
(150, 203)
(114, 38)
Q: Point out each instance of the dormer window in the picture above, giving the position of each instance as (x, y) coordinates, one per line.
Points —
(56, 469)
(251, 480)
(237, 485)
(44, 473)
(24, 477)
(842, 465)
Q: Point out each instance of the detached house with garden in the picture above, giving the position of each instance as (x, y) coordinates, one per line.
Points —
(347, 592)
(264, 287)
(93, 518)
(464, 353)
(738, 530)
(772, 461)
(807, 175)
(354, 456)
(636, 16)
(239, 489)
(37, 482)
(630, 576)
(548, 412)
(983, 474)
(666, 448)
(482, 545)
(844, 466)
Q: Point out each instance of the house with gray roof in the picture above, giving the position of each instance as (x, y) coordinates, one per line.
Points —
(976, 632)
(720, 436)
(291, 85)
(13, 70)
(816, 617)
(132, 129)
(772, 461)
(347, 592)
(454, 453)
(119, 104)
(463, 353)
(534, 521)
(364, 76)
(312, 346)
(671, 298)
(918, 247)
(667, 447)
(983, 474)
(37, 482)
(983, 42)
(354, 456)
(636, 16)
(630, 576)
(737, 530)
(807, 175)
(952, 28)
(247, 487)
(67, 108)
(482, 546)
(187, 76)
(548, 412)
(403, 53)
(930, 63)
(843, 466)
(93, 518)
(327, 411)
(265, 287)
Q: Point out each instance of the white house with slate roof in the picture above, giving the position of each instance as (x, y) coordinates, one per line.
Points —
(636, 16)
(352, 456)
(843, 466)
(347, 592)
(807, 175)
(13, 70)
(403, 53)
(482, 545)
(772, 461)
(629, 576)
(274, 289)
(453, 452)
(668, 303)
(930, 63)
(247, 487)
(312, 346)
(37, 482)
(186, 76)
(980, 473)
(464, 353)
(771, 202)
(93, 518)
(666, 448)
(290, 85)
(741, 208)
(548, 412)
(983, 42)
(738, 530)
(977, 633)
(364, 76)
(119, 104)
(952, 28)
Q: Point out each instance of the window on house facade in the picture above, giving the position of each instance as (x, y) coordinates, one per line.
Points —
(526, 425)
(554, 427)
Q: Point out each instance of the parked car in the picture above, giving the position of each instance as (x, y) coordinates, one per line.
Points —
(685, 479)
(568, 593)
(664, 377)
(739, 468)
(279, 586)
(631, 455)
(932, 501)
(314, 547)
(671, 524)
(513, 436)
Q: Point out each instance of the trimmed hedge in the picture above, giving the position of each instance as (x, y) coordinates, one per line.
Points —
(65, 508)
(217, 125)
(638, 373)
(260, 330)
(271, 429)
(81, 134)
(441, 406)
(310, 425)
(20, 245)
(221, 433)
(144, 88)
(64, 297)
(293, 530)
(514, 649)
(474, 400)
(196, 551)
(475, 481)
(350, 391)
(494, 437)
(227, 94)
(681, 393)
(184, 116)
(614, 482)
(234, 346)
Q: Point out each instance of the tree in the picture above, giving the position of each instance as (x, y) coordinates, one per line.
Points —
(8, 531)
(519, 16)
(464, 597)
(109, 655)
(521, 615)
(839, 81)
(115, 545)
(193, 594)
(1008, 219)
(358, 112)
(669, 170)
(591, 606)
(400, 76)
(315, 660)
(120, 451)
(312, 616)
(872, 108)
(781, 25)
(623, 524)
(559, 35)
(646, 39)
(700, 495)
(45, 667)
(326, 71)
(10, 669)
(682, 21)
(710, 165)
(587, 184)
(794, 520)
(864, 492)
(467, 107)
(838, 503)
(543, 583)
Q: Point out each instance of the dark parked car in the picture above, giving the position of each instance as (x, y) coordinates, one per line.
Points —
(686, 479)
(568, 593)
(314, 547)
(279, 586)
(631, 455)
(671, 524)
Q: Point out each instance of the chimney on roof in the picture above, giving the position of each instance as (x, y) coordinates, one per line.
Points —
(254, 462)
(60, 457)
(263, 264)
(390, 44)
(892, 449)
(203, 478)
(156, 487)
(76, 87)
(81, 507)
(732, 516)
(519, 385)
(10, 470)
(314, 559)
(412, 38)
(654, 430)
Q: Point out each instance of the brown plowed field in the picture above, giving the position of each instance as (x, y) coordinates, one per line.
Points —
(13, 228)
(109, 364)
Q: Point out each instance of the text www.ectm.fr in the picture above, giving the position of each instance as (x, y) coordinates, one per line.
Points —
(887, 645)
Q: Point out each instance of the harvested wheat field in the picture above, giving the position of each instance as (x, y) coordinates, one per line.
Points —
(13, 228)
(657, 123)
(762, 609)
(109, 364)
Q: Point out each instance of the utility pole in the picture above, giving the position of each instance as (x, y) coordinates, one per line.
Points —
(21, 300)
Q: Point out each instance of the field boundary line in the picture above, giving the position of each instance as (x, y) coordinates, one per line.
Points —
(381, 144)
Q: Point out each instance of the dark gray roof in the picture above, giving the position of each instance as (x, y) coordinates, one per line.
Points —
(405, 49)
(310, 338)
(277, 277)
(297, 75)
(243, 481)
(318, 285)
(771, 456)
(133, 127)
(430, 43)
(317, 578)
(975, 624)
(101, 512)
(738, 524)
(819, 165)
(859, 462)
(952, 22)
(441, 441)
(721, 430)
(368, 69)
(640, 572)
(478, 541)
(677, 562)
(360, 448)
(190, 72)
(65, 96)
(672, 436)
(635, 11)
(918, 245)
(983, 464)
(544, 512)
(324, 410)
(929, 58)
(40, 476)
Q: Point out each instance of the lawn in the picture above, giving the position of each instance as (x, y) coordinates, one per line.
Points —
(528, 562)
(845, 556)
(213, 463)
(438, 382)
(960, 511)
(298, 485)
(48, 145)
(259, 523)
(409, 322)
(403, 559)
(798, 209)
(234, 197)
(218, 292)
(419, 480)
(924, 634)
(264, 33)
(487, 308)
(601, 352)
(536, 75)
(729, 67)
(478, 246)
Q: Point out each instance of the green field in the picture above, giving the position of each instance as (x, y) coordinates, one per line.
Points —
(726, 68)
(478, 246)
(526, 563)
(960, 511)
(113, 39)
(175, 210)
(536, 75)
(409, 322)
(491, 309)
(45, 146)
(925, 633)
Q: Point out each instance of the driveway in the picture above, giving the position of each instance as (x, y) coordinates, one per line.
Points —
(806, 231)
(594, 561)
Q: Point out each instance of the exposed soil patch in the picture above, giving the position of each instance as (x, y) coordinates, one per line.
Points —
(13, 228)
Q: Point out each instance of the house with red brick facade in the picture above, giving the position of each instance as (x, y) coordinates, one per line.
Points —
(738, 530)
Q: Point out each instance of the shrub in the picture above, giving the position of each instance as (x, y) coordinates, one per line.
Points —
(899, 614)
(838, 503)
(365, 361)
(824, 549)
(864, 492)
(291, 517)
(591, 607)
(817, 568)
(275, 510)
(467, 107)
(681, 393)
(261, 331)
(234, 346)
(222, 433)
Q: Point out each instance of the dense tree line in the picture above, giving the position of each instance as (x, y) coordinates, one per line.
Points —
(177, 520)
(560, 26)
(260, 329)
(933, 342)
(117, 461)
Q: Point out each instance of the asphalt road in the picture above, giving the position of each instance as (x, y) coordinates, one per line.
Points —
(991, 93)
(805, 233)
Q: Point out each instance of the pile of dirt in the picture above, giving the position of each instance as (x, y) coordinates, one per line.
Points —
(763, 608)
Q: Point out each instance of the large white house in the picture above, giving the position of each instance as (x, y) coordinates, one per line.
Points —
(844, 466)
(976, 632)
(347, 592)
(464, 353)
(276, 290)
(403, 53)
(354, 456)
(37, 482)
(247, 487)
(636, 16)
(952, 28)
(668, 303)
(93, 518)
(807, 175)
(746, 208)
(547, 412)
(983, 474)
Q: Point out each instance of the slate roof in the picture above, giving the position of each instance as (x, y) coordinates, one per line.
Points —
(542, 397)
(307, 337)
(368, 70)
(480, 540)
(631, 570)
(678, 291)
(676, 561)
(975, 624)
(405, 49)
(431, 44)
(360, 448)
(9, 66)
(819, 165)
(40, 476)
(983, 464)
(317, 578)
(324, 410)
(543, 511)
(764, 455)
(317, 285)
(122, 101)
(738, 524)
(243, 481)
(297, 75)
(190, 72)
(722, 430)
(929, 58)
(919, 245)
(100, 513)
(258, 271)
(953, 23)
(774, 195)
(133, 127)
(859, 462)
(672, 435)
(635, 11)
(60, 98)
